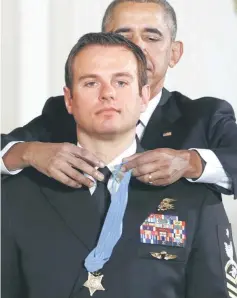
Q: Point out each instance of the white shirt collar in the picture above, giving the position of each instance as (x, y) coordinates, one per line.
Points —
(111, 166)
(128, 152)
(145, 116)
(118, 159)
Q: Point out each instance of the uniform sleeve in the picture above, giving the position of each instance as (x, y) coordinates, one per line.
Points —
(40, 128)
(211, 269)
(12, 285)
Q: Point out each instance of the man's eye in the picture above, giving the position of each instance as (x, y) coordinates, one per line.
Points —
(152, 38)
(121, 83)
(90, 84)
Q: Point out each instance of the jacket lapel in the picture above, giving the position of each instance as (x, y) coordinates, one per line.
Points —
(163, 129)
(164, 97)
(77, 209)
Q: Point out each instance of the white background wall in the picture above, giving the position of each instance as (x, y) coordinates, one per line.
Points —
(38, 35)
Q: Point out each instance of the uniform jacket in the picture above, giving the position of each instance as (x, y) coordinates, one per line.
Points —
(48, 230)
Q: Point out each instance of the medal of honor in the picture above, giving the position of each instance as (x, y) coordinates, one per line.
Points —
(93, 283)
(109, 236)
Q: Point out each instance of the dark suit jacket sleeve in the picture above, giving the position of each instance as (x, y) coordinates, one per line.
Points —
(41, 128)
(12, 285)
(222, 136)
(206, 271)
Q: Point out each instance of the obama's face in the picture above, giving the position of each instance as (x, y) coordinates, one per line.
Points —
(147, 26)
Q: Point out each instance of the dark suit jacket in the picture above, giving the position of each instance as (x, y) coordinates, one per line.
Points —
(203, 123)
(48, 230)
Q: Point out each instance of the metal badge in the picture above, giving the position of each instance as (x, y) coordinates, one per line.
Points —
(167, 134)
(163, 255)
(165, 204)
(93, 283)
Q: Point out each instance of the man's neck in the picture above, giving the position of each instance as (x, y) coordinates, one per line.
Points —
(157, 89)
(104, 148)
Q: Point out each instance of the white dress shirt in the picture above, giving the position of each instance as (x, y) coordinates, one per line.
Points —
(213, 172)
(4, 170)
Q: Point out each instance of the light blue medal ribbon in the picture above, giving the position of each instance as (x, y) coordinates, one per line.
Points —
(112, 228)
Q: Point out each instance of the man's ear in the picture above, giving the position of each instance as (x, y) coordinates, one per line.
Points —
(145, 97)
(68, 99)
(176, 53)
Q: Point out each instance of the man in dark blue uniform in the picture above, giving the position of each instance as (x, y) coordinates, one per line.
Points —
(117, 238)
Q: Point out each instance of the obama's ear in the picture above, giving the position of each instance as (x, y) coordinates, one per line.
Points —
(176, 53)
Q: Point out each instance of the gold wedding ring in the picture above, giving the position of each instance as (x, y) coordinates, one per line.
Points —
(150, 179)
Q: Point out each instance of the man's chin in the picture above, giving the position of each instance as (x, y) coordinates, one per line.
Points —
(109, 130)
(107, 134)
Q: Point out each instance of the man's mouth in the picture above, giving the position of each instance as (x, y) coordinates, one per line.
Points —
(107, 110)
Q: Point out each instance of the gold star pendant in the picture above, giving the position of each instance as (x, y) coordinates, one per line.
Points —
(93, 283)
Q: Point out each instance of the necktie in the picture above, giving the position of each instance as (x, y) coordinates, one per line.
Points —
(139, 129)
(102, 194)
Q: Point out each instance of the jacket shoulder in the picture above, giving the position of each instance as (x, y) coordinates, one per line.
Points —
(206, 105)
(63, 125)
(23, 186)
(54, 105)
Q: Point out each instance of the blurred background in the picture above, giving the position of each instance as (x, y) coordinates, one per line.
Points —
(38, 35)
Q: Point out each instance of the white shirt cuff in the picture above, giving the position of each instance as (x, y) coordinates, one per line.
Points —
(214, 172)
(4, 170)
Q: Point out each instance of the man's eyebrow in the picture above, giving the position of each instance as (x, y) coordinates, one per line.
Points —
(146, 29)
(123, 30)
(123, 74)
(153, 30)
(86, 76)
(95, 76)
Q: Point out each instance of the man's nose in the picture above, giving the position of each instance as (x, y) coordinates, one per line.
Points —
(107, 92)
